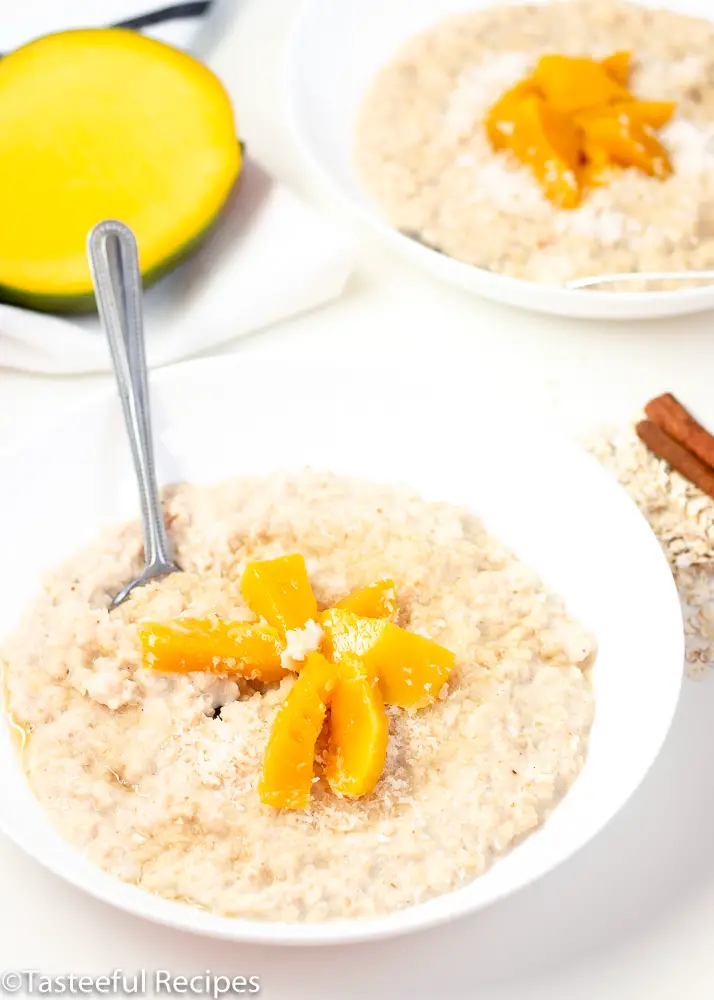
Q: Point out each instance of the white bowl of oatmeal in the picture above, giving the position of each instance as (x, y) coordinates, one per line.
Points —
(141, 789)
(398, 135)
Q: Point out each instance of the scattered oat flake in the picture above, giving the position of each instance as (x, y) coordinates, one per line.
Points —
(682, 518)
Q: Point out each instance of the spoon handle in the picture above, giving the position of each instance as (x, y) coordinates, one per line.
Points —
(602, 279)
(114, 263)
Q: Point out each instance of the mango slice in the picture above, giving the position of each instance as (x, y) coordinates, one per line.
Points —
(598, 168)
(550, 145)
(570, 85)
(501, 119)
(279, 591)
(411, 669)
(184, 645)
(359, 730)
(654, 114)
(629, 145)
(618, 66)
(377, 600)
(575, 124)
(287, 776)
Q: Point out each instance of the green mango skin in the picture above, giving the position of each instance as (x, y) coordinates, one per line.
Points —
(83, 303)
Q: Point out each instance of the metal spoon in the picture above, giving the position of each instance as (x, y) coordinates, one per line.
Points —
(114, 263)
(601, 279)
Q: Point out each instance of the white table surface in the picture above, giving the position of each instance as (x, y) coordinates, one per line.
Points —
(633, 914)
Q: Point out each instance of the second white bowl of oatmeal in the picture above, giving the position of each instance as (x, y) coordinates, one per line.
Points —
(334, 52)
(549, 501)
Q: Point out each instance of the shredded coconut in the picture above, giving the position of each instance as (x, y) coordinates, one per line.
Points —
(479, 86)
(299, 643)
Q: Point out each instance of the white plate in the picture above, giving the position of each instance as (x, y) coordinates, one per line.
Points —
(552, 503)
(334, 51)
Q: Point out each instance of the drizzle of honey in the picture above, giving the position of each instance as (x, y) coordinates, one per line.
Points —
(19, 734)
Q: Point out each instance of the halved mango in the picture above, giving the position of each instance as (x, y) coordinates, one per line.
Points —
(376, 600)
(279, 591)
(105, 124)
(570, 84)
(618, 66)
(288, 766)
(359, 730)
(628, 145)
(411, 669)
(242, 649)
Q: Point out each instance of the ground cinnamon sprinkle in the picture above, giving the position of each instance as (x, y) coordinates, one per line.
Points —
(682, 518)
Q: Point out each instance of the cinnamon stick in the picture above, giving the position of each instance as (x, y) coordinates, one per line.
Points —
(677, 456)
(668, 413)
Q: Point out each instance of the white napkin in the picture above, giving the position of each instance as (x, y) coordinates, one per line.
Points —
(269, 257)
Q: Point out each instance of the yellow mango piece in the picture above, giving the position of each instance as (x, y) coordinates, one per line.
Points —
(654, 114)
(618, 66)
(359, 731)
(286, 779)
(548, 143)
(628, 145)
(501, 119)
(279, 591)
(377, 600)
(572, 84)
(598, 169)
(411, 669)
(240, 649)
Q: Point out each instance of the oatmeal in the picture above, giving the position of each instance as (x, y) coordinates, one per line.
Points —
(682, 518)
(154, 776)
(423, 153)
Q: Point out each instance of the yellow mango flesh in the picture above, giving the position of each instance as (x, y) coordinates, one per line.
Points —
(548, 143)
(288, 766)
(598, 168)
(628, 145)
(279, 591)
(569, 85)
(242, 649)
(102, 124)
(411, 669)
(575, 124)
(501, 119)
(617, 66)
(653, 114)
(377, 600)
(359, 731)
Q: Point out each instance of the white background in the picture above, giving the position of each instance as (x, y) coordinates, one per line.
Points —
(633, 914)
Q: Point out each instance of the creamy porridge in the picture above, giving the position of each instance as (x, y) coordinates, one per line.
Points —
(154, 776)
(422, 150)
